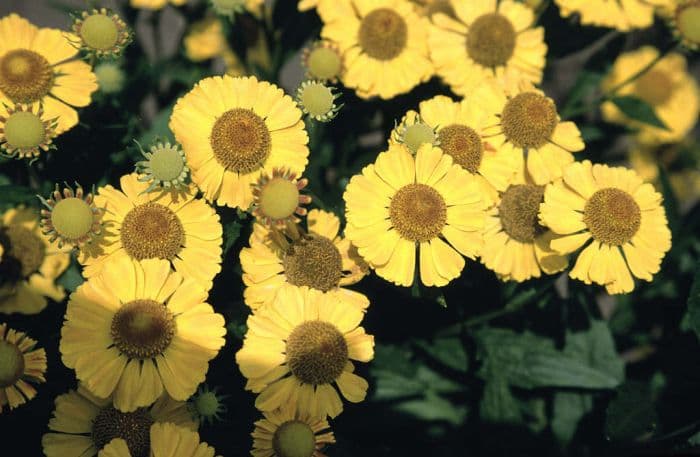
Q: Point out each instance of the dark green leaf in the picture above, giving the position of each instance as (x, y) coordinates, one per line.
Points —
(567, 410)
(639, 110)
(631, 414)
(71, 278)
(498, 404)
(159, 129)
(232, 231)
(691, 320)
(448, 351)
(434, 408)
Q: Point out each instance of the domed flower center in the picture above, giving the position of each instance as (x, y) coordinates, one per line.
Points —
(142, 329)
(529, 119)
(294, 439)
(240, 140)
(464, 145)
(612, 216)
(317, 99)
(207, 404)
(324, 63)
(110, 77)
(316, 352)
(417, 135)
(11, 364)
(134, 428)
(151, 231)
(279, 198)
(26, 250)
(25, 76)
(518, 211)
(383, 34)
(24, 130)
(491, 40)
(418, 212)
(654, 87)
(166, 163)
(100, 32)
(313, 261)
(688, 21)
(72, 218)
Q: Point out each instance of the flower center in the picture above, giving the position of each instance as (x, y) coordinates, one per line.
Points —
(418, 134)
(25, 76)
(518, 211)
(316, 352)
(24, 130)
(26, 251)
(207, 404)
(612, 216)
(418, 212)
(324, 63)
(294, 439)
(654, 87)
(110, 77)
(529, 119)
(313, 261)
(142, 329)
(317, 99)
(151, 231)
(464, 145)
(134, 428)
(240, 140)
(72, 218)
(99, 31)
(383, 34)
(688, 21)
(279, 198)
(491, 40)
(166, 164)
(11, 364)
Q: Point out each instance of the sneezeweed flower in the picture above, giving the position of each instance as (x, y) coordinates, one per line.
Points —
(322, 61)
(413, 132)
(298, 347)
(101, 33)
(205, 40)
(319, 258)
(384, 45)
(25, 131)
(233, 130)
(40, 66)
(487, 41)
(207, 405)
(20, 364)
(318, 100)
(138, 330)
(155, 4)
(171, 225)
(289, 433)
(110, 77)
(278, 199)
(30, 264)
(623, 16)
(403, 203)
(667, 87)
(70, 217)
(164, 440)
(83, 424)
(165, 167)
(617, 216)
(684, 18)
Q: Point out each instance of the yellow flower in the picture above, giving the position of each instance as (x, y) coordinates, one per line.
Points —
(155, 4)
(621, 214)
(323, 61)
(401, 203)
(301, 344)
(684, 18)
(24, 131)
(137, 330)
(384, 45)
(290, 433)
(487, 41)
(321, 260)
(101, 33)
(82, 424)
(205, 40)
(19, 363)
(164, 440)
(621, 15)
(460, 131)
(234, 129)
(171, 225)
(667, 87)
(70, 217)
(30, 264)
(527, 121)
(39, 66)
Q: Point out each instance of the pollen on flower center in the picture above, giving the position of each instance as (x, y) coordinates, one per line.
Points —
(518, 211)
(134, 428)
(99, 31)
(166, 163)
(491, 40)
(316, 352)
(418, 212)
(25, 76)
(24, 129)
(612, 216)
(529, 119)
(418, 134)
(383, 34)
(654, 87)
(26, 249)
(151, 231)
(464, 145)
(240, 140)
(279, 198)
(313, 261)
(72, 218)
(294, 439)
(688, 21)
(142, 329)
(11, 364)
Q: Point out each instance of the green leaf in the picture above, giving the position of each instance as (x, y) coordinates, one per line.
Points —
(639, 110)
(232, 231)
(631, 414)
(159, 129)
(586, 83)
(596, 348)
(434, 408)
(498, 404)
(71, 278)
(567, 411)
(691, 320)
(448, 351)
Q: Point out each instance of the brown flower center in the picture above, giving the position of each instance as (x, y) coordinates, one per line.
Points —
(316, 352)
(11, 364)
(464, 145)
(142, 329)
(612, 216)
(240, 140)
(151, 231)
(491, 40)
(294, 439)
(383, 34)
(418, 212)
(134, 428)
(654, 87)
(24, 252)
(25, 76)
(313, 261)
(518, 211)
(529, 119)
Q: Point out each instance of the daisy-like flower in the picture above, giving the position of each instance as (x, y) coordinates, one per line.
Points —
(403, 203)
(25, 131)
(298, 347)
(621, 15)
(459, 129)
(527, 121)
(684, 18)
(384, 45)
(616, 215)
(40, 66)
(234, 129)
(165, 167)
(278, 199)
(30, 264)
(137, 330)
(487, 41)
(165, 440)
(101, 33)
(20, 363)
(318, 100)
(286, 432)
(207, 405)
(83, 424)
(171, 225)
(323, 61)
(667, 87)
(205, 40)
(320, 259)
(70, 217)
(154, 4)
